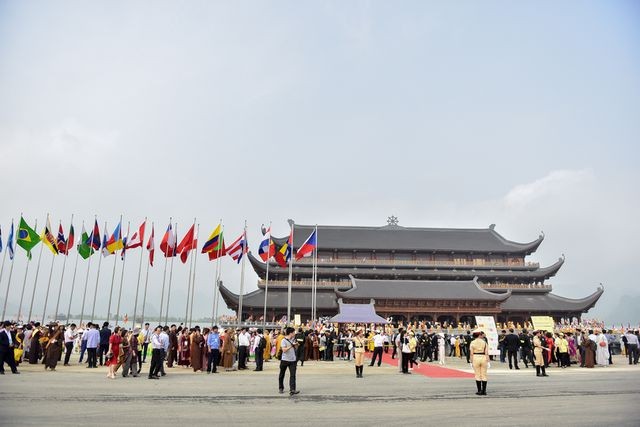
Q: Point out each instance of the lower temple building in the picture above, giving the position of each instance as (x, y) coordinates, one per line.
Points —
(432, 274)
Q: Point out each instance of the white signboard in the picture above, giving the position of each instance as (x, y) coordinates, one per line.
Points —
(488, 325)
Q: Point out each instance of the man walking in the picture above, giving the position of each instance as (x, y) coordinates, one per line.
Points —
(69, 338)
(511, 344)
(259, 350)
(213, 351)
(243, 348)
(632, 347)
(288, 361)
(172, 357)
(105, 334)
(146, 334)
(378, 344)
(156, 354)
(93, 341)
(6, 348)
(164, 339)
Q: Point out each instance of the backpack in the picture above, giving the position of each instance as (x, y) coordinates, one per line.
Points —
(263, 343)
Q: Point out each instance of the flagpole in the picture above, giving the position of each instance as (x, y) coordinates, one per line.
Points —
(86, 283)
(35, 282)
(164, 279)
(113, 274)
(135, 304)
(6, 295)
(123, 251)
(266, 286)
(95, 294)
(315, 276)
(290, 276)
(46, 298)
(217, 286)
(26, 271)
(215, 277)
(146, 282)
(64, 265)
(186, 311)
(73, 281)
(195, 266)
(166, 315)
(244, 258)
(4, 257)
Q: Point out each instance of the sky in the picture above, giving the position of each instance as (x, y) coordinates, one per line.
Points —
(446, 114)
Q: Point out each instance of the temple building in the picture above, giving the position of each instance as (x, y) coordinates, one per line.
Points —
(434, 274)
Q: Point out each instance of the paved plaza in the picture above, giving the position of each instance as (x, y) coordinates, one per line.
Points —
(330, 395)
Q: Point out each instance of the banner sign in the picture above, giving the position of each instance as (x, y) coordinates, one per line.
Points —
(543, 323)
(488, 325)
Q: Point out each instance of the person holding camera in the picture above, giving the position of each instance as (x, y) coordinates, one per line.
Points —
(288, 360)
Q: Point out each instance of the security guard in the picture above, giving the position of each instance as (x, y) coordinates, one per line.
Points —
(358, 343)
(479, 350)
(537, 355)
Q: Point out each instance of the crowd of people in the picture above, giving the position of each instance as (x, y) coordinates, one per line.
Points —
(124, 350)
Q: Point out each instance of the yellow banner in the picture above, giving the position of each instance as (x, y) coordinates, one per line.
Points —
(543, 323)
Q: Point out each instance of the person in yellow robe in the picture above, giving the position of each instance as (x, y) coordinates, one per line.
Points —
(267, 348)
(279, 339)
(370, 343)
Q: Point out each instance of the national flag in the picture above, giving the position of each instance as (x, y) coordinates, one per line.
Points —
(186, 244)
(238, 248)
(70, 239)
(61, 241)
(308, 246)
(138, 237)
(27, 237)
(95, 237)
(84, 247)
(105, 250)
(283, 256)
(48, 239)
(214, 246)
(10, 243)
(151, 246)
(168, 243)
(115, 241)
(267, 247)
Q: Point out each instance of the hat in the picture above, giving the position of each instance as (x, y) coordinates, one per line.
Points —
(478, 331)
(136, 330)
(561, 334)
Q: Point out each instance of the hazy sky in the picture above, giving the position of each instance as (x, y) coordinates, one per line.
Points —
(455, 114)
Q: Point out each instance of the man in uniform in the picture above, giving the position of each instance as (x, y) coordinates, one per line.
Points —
(525, 348)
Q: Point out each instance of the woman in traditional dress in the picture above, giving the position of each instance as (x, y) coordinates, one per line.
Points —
(54, 348)
(184, 349)
(115, 341)
(228, 350)
(196, 350)
(479, 353)
(549, 356)
(35, 349)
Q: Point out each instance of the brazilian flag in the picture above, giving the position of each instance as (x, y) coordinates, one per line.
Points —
(27, 237)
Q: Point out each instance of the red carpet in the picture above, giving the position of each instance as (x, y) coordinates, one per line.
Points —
(427, 369)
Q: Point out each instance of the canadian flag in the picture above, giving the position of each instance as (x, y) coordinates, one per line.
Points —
(151, 246)
(138, 237)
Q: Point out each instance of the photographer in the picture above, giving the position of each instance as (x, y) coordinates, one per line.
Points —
(288, 360)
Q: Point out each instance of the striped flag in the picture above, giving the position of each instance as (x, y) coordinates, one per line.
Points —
(238, 248)
(151, 246)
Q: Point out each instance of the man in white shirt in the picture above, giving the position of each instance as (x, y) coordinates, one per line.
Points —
(146, 333)
(156, 354)
(289, 360)
(378, 343)
(164, 338)
(69, 337)
(93, 341)
(243, 348)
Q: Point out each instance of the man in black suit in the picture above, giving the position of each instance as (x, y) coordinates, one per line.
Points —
(6, 348)
(105, 334)
(511, 343)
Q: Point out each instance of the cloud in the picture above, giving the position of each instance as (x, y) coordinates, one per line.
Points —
(554, 183)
